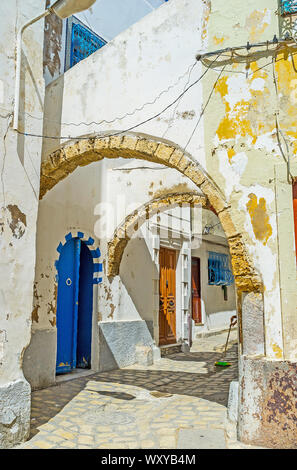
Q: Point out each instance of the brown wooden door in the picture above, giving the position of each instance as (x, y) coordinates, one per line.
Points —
(167, 315)
(196, 291)
(295, 213)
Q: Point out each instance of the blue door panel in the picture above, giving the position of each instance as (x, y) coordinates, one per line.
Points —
(74, 306)
(85, 308)
(66, 302)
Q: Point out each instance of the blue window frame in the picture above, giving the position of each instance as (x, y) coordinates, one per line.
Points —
(288, 7)
(219, 272)
(81, 42)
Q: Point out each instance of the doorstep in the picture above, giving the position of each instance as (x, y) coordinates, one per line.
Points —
(74, 374)
(168, 349)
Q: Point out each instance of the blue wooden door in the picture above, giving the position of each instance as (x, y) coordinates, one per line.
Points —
(67, 305)
(85, 308)
(74, 306)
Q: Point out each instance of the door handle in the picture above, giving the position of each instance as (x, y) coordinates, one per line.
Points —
(167, 284)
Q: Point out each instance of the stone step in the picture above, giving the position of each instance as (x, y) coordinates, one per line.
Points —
(168, 349)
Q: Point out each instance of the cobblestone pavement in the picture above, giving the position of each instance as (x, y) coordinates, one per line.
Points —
(140, 407)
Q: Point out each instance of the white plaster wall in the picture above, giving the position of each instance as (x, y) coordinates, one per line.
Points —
(20, 166)
(107, 18)
(154, 54)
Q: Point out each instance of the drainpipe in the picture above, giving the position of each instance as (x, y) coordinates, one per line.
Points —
(63, 9)
(18, 68)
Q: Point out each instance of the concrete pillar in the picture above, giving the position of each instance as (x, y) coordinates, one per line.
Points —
(267, 402)
(267, 388)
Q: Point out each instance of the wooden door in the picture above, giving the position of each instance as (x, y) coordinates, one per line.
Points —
(196, 291)
(295, 213)
(167, 315)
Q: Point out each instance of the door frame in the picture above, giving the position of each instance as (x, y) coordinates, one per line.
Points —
(175, 293)
(198, 260)
(88, 239)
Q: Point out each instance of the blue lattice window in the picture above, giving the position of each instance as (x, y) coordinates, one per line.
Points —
(81, 42)
(288, 7)
(219, 272)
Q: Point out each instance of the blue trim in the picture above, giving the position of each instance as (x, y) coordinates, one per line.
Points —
(96, 253)
(98, 267)
(90, 241)
(68, 236)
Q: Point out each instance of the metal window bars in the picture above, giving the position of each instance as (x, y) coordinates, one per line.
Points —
(219, 272)
(81, 42)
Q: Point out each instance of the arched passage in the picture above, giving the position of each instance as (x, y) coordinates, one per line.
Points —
(66, 159)
(133, 221)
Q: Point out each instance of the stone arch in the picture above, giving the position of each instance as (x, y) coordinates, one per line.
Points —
(133, 221)
(67, 158)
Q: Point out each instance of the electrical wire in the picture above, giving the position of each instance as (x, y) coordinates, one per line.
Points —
(127, 129)
(190, 68)
(171, 120)
(204, 108)
(137, 109)
(118, 118)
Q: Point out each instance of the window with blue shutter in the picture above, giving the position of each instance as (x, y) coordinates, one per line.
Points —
(81, 42)
(219, 272)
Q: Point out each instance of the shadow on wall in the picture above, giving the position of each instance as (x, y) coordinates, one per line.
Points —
(137, 272)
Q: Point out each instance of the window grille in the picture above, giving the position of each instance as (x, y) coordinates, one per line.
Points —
(288, 7)
(80, 42)
(83, 43)
(219, 272)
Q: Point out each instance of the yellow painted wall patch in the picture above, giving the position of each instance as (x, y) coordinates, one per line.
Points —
(259, 218)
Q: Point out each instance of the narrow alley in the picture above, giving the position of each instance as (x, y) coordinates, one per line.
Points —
(178, 402)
